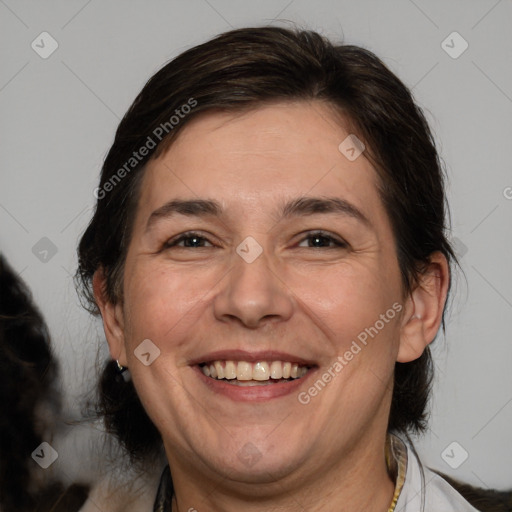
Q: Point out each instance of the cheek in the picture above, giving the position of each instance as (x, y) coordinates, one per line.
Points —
(161, 304)
(348, 299)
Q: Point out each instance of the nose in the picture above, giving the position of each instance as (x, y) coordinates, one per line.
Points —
(253, 294)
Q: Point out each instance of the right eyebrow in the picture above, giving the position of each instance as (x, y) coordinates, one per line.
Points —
(189, 207)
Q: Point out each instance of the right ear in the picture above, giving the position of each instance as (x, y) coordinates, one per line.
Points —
(113, 318)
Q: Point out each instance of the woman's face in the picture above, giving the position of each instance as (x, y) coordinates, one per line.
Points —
(268, 276)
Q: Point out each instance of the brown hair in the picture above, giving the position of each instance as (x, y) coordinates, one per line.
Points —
(244, 69)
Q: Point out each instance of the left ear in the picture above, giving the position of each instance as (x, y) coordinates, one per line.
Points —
(424, 309)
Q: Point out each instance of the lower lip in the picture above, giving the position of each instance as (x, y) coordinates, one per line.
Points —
(258, 393)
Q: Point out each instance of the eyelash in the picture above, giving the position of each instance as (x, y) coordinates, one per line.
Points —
(338, 243)
(315, 234)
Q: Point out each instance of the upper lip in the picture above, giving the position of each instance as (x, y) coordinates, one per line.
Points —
(244, 355)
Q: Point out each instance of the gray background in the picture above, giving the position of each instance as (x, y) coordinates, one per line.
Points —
(59, 115)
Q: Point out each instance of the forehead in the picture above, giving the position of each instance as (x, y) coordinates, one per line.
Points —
(252, 159)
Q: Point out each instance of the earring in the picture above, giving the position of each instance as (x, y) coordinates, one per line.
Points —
(123, 370)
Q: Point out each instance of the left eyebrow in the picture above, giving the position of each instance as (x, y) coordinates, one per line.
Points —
(304, 206)
(299, 207)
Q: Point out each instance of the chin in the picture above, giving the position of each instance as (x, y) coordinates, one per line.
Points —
(259, 461)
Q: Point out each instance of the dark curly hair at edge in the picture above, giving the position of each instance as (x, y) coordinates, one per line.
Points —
(30, 404)
(242, 70)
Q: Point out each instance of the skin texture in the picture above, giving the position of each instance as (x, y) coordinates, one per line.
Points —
(309, 301)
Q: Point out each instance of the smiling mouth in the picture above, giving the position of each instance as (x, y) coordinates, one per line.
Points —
(258, 373)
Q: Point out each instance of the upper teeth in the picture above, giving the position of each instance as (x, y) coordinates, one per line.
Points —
(259, 370)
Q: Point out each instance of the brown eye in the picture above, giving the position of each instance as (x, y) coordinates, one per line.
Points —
(322, 240)
(188, 240)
